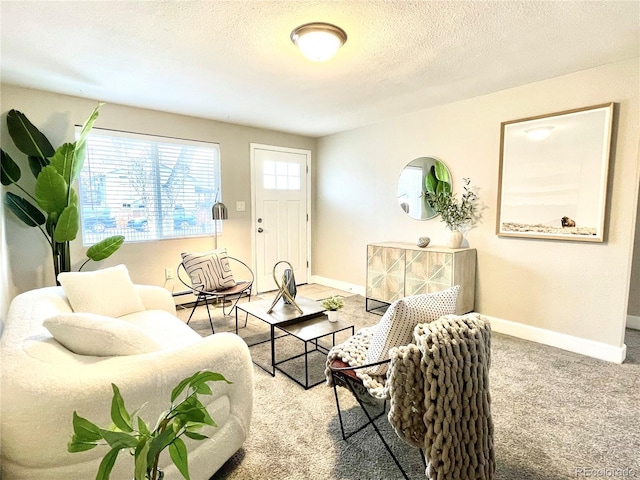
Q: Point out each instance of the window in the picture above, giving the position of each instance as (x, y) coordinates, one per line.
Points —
(281, 175)
(146, 187)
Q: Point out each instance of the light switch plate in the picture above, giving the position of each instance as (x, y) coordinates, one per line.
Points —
(240, 207)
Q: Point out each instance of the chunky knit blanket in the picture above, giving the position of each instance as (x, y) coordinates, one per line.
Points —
(439, 393)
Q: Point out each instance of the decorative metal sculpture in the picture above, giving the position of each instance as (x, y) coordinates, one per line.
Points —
(285, 289)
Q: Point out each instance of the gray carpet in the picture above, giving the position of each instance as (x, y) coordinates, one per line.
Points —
(557, 415)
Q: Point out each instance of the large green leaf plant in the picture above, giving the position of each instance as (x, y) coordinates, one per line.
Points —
(130, 432)
(56, 215)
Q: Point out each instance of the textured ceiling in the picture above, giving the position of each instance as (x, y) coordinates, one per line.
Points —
(233, 60)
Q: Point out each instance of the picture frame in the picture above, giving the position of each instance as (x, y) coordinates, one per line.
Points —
(552, 181)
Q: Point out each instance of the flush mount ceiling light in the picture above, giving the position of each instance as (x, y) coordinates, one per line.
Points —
(538, 133)
(318, 41)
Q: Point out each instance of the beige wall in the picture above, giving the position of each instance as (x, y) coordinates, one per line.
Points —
(55, 115)
(579, 289)
(634, 291)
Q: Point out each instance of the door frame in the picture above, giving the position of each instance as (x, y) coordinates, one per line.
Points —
(252, 166)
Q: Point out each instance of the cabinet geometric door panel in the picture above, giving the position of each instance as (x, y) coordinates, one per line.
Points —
(385, 273)
(427, 272)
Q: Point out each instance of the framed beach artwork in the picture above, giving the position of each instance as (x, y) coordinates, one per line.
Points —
(553, 175)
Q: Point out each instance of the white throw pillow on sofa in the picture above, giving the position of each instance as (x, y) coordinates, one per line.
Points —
(396, 326)
(108, 292)
(100, 336)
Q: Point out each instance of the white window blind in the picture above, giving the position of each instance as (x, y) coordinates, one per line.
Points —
(146, 187)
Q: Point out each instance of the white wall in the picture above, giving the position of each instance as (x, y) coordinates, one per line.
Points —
(634, 292)
(577, 289)
(55, 115)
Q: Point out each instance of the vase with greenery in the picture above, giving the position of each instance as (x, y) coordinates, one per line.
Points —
(332, 304)
(456, 214)
(56, 215)
(144, 442)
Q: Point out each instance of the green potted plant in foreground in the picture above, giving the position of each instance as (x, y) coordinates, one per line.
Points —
(332, 304)
(455, 214)
(56, 214)
(130, 432)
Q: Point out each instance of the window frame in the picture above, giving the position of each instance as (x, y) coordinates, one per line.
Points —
(122, 204)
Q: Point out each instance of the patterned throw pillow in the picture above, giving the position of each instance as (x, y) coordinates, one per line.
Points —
(209, 271)
(396, 326)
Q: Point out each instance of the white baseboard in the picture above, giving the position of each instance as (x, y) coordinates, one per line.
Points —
(347, 287)
(633, 322)
(582, 346)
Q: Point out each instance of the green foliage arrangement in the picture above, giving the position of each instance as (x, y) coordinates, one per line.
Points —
(130, 432)
(453, 212)
(332, 303)
(56, 214)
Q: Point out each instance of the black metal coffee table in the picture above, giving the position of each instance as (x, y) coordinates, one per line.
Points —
(309, 327)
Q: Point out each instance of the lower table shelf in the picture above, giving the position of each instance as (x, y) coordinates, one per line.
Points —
(310, 331)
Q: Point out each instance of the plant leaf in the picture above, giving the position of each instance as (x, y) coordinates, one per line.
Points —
(443, 187)
(9, 170)
(196, 380)
(67, 225)
(192, 410)
(175, 393)
(195, 436)
(36, 164)
(119, 415)
(51, 190)
(84, 430)
(207, 376)
(178, 453)
(194, 426)
(203, 389)
(141, 463)
(442, 172)
(75, 446)
(105, 248)
(24, 210)
(63, 161)
(73, 197)
(431, 181)
(107, 464)
(27, 137)
(159, 443)
(119, 440)
(143, 428)
(80, 145)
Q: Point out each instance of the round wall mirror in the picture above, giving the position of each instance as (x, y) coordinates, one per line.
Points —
(419, 175)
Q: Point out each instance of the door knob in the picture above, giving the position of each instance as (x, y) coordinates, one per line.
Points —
(260, 230)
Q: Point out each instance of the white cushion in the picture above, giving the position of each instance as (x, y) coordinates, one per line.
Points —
(209, 271)
(100, 336)
(396, 326)
(108, 292)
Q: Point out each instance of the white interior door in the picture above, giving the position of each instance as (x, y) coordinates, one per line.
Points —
(280, 187)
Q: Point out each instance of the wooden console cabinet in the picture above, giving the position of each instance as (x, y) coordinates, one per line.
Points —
(396, 270)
